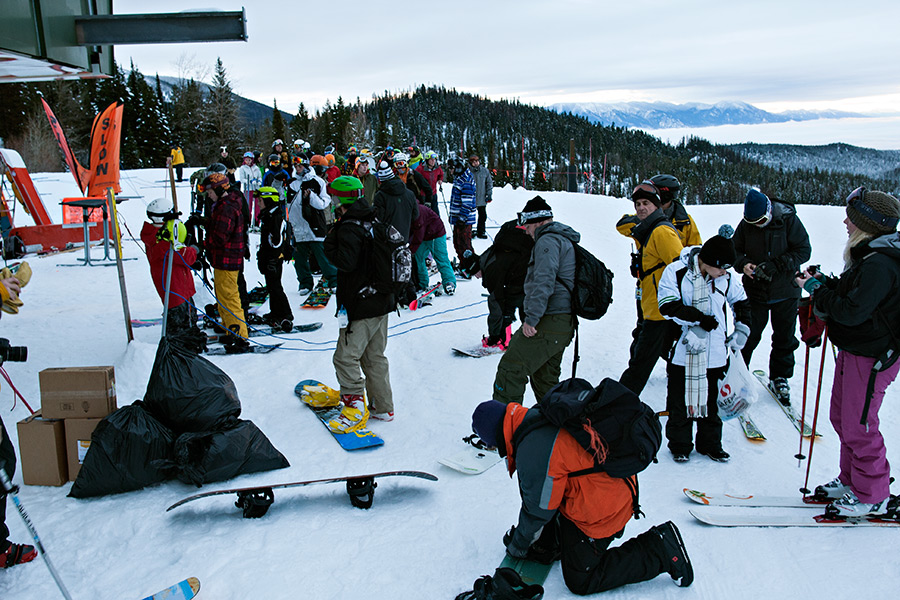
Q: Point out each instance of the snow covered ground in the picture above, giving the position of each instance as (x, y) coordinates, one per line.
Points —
(420, 539)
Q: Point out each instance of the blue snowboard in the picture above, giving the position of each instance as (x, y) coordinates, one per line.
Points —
(348, 441)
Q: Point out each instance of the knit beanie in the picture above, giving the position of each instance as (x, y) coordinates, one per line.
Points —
(757, 207)
(535, 210)
(646, 190)
(487, 421)
(873, 211)
(718, 252)
(384, 171)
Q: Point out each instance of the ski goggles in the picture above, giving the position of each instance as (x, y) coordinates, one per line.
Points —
(857, 201)
(645, 190)
(400, 164)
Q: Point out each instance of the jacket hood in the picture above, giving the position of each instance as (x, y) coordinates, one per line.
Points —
(559, 229)
(361, 211)
(685, 257)
(888, 244)
(393, 186)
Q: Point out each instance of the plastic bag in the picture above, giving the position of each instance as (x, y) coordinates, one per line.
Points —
(125, 453)
(216, 456)
(737, 390)
(188, 393)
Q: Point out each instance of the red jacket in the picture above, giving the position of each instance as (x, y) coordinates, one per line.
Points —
(432, 175)
(598, 504)
(427, 226)
(182, 284)
(225, 243)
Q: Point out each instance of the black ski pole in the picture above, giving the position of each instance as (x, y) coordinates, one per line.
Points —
(11, 491)
(812, 437)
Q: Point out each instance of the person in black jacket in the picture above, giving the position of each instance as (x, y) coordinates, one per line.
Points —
(862, 315)
(771, 244)
(362, 310)
(394, 203)
(274, 249)
(502, 269)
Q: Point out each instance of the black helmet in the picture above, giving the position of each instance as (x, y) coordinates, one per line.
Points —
(667, 185)
(216, 168)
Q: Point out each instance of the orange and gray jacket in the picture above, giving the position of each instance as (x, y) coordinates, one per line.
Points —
(599, 505)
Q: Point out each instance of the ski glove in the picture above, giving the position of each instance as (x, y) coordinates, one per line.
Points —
(812, 284)
(695, 340)
(764, 271)
(514, 548)
(738, 337)
(708, 322)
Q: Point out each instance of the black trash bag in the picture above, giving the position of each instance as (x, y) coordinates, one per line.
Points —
(216, 456)
(187, 393)
(128, 450)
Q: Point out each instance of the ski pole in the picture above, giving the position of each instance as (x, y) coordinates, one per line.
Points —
(799, 456)
(812, 437)
(11, 490)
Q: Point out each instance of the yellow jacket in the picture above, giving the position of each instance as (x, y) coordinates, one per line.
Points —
(177, 156)
(685, 226)
(658, 244)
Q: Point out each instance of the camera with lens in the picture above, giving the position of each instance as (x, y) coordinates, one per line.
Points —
(12, 353)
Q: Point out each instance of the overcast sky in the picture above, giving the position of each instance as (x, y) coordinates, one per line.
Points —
(775, 54)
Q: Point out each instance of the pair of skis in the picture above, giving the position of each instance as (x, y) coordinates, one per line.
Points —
(728, 510)
(752, 432)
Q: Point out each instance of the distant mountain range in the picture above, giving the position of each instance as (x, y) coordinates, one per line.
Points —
(663, 115)
(255, 114)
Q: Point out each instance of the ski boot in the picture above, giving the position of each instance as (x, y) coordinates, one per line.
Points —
(782, 390)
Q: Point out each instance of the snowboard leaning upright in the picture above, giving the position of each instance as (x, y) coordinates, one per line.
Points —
(325, 403)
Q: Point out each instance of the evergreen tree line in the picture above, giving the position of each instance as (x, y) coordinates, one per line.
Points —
(519, 142)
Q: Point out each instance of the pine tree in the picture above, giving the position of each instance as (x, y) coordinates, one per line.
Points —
(300, 123)
(222, 120)
(278, 130)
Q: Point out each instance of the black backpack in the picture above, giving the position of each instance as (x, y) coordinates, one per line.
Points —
(592, 293)
(610, 422)
(390, 259)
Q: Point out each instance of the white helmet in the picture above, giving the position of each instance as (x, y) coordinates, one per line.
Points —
(160, 210)
(401, 156)
(306, 145)
(298, 144)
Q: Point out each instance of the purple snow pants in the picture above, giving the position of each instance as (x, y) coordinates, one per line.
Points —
(864, 465)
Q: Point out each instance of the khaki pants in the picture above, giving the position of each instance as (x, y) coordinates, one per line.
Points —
(361, 345)
(536, 359)
(230, 311)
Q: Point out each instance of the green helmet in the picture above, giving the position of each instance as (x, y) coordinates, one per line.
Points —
(269, 193)
(347, 188)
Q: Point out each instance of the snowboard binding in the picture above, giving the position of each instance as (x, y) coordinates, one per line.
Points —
(255, 503)
(362, 491)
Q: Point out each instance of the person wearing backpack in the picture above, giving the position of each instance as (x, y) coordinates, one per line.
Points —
(394, 203)
(574, 517)
(536, 349)
(307, 215)
(693, 292)
(502, 269)
(363, 336)
(274, 250)
(862, 315)
(658, 245)
(771, 244)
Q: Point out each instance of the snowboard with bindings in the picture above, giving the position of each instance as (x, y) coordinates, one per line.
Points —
(754, 500)
(319, 297)
(252, 349)
(789, 411)
(183, 590)
(531, 572)
(479, 351)
(325, 403)
(255, 501)
(474, 459)
(212, 338)
(424, 298)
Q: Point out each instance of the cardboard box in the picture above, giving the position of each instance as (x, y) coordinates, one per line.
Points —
(78, 392)
(42, 451)
(78, 440)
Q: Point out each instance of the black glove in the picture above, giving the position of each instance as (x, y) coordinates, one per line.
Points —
(765, 271)
(247, 251)
(708, 322)
(468, 264)
(281, 176)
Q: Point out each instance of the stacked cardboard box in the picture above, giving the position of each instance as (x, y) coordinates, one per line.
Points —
(73, 401)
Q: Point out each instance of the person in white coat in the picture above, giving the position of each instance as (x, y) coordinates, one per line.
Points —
(693, 292)
(251, 179)
(309, 215)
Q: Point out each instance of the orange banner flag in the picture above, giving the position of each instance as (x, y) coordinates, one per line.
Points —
(106, 135)
(80, 174)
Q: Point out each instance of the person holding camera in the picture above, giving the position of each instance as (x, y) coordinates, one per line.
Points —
(11, 554)
(862, 315)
